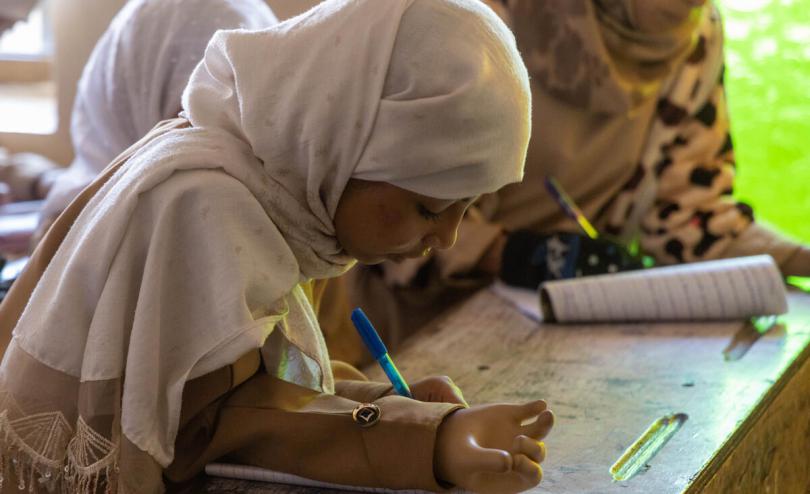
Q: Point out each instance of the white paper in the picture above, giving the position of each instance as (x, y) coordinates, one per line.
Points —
(247, 472)
(714, 290)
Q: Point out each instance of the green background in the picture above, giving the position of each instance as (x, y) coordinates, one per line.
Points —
(768, 89)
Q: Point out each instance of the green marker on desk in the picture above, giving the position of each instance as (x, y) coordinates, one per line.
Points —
(377, 348)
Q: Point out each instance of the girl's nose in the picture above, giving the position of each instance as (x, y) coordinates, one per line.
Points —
(445, 234)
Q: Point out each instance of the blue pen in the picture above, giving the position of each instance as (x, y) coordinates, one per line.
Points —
(377, 348)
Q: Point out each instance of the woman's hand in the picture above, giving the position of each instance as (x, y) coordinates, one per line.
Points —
(437, 389)
(493, 448)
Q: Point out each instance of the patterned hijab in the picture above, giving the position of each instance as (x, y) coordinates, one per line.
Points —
(596, 54)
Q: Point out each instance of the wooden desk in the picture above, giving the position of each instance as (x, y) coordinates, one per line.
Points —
(749, 420)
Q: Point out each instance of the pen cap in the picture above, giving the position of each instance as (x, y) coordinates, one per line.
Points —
(368, 334)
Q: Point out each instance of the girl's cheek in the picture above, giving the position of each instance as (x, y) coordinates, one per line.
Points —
(388, 215)
(401, 235)
(399, 226)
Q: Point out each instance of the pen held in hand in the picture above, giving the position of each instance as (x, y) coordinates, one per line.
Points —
(377, 348)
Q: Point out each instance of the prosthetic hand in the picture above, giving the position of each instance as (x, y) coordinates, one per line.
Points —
(530, 258)
(493, 448)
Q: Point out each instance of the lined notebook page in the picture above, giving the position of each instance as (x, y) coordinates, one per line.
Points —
(723, 289)
(247, 472)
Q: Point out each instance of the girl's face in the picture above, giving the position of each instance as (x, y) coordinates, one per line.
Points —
(377, 221)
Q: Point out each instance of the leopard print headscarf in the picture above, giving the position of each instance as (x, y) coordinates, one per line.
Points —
(593, 54)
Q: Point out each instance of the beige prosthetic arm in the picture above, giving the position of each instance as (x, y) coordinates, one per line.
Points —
(493, 448)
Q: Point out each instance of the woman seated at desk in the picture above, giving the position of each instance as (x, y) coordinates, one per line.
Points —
(630, 117)
(132, 80)
(190, 257)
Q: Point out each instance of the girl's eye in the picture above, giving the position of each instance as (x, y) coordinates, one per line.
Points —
(427, 213)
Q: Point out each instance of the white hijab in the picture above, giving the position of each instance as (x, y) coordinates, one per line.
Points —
(135, 77)
(427, 94)
(433, 102)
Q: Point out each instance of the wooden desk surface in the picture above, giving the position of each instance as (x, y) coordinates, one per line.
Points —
(608, 383)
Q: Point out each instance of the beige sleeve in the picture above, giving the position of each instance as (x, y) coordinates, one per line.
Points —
(273, 424)
(756, 239)
(362, 391)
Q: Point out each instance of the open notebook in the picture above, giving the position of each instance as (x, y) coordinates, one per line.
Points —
(713, 290)
(247, 472)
